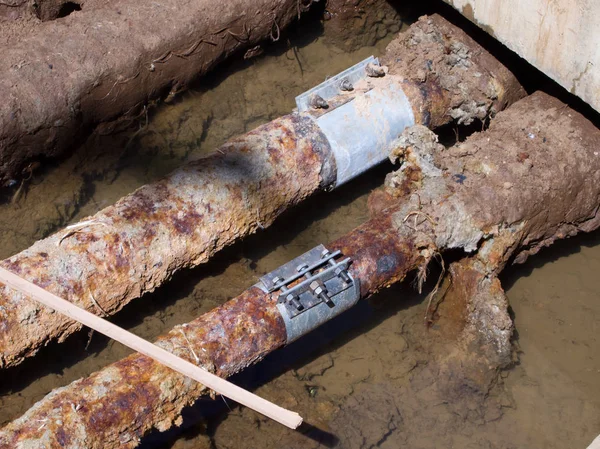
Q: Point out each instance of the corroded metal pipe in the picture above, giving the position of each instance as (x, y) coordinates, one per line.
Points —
(180, 221)
(126, 250)
(120, 404)
(116, 407)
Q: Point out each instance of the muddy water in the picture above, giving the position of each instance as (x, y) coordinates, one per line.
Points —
(361, 381)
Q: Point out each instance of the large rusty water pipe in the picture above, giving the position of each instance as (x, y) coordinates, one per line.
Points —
(436, 72)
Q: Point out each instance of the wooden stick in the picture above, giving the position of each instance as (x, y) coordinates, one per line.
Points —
(221, 386)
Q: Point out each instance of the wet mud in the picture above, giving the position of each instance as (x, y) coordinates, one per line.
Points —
(58, 89)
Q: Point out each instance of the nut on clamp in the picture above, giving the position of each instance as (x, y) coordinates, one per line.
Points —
(313, 288)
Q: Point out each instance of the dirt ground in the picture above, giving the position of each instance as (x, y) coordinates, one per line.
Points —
(111, 61)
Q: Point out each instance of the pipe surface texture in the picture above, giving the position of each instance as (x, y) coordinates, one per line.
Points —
(477, 211)
(140, 242)
(123, 402)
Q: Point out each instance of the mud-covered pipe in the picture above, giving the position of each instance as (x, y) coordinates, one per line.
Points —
(106, 62)
(556, 152)
(126, 250)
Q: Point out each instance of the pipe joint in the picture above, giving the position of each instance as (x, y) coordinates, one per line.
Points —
(362, 122)
(313, 288)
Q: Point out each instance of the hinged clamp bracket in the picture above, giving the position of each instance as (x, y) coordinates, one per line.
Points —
(312, 289)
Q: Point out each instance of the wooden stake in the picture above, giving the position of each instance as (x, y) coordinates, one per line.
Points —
(221, 386)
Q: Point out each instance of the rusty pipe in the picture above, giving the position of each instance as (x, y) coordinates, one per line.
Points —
(120, 404)
(116, 407)
(181, 221)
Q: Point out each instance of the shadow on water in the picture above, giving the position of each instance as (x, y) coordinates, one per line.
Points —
(558, 250)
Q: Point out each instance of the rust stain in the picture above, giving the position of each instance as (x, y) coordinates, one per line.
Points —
(130, 396)
(188, 224)
(451, 312)
(251, 320)
(380, 256)
(411, 177)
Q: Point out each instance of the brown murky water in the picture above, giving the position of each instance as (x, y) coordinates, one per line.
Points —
(361, 381)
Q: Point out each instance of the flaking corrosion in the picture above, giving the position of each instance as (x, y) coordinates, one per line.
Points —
(531, 178)
(116, 407)
(137, 245)
(105, 261)
(379, 257)
(477, 211)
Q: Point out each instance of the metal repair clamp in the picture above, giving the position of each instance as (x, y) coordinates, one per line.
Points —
(312, 288)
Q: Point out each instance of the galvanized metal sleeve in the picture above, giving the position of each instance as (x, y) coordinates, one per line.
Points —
(361, 131)
(305, 322)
